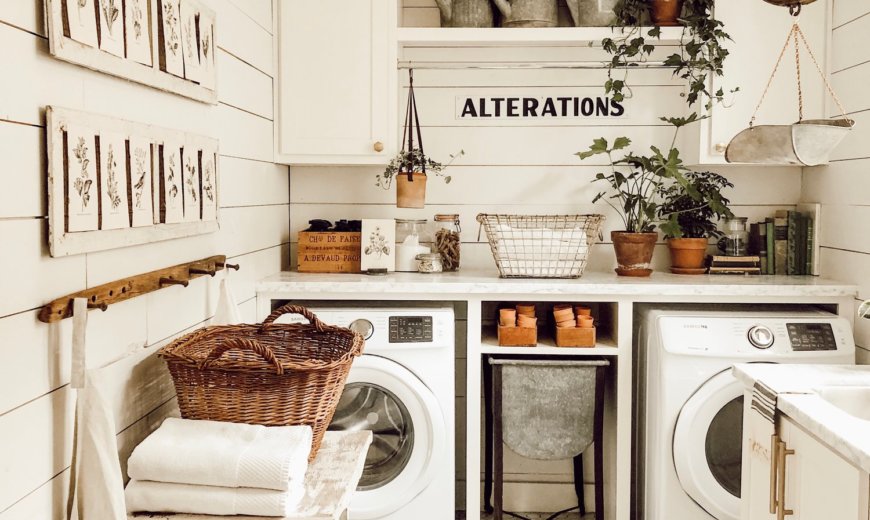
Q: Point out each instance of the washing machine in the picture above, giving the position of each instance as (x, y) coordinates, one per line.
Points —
(690, 406)
(402, 389)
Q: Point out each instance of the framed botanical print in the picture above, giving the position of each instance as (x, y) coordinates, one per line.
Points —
(137, 31)
(81, 197)
(171, 197)
(141, 180)
(111, 26)
(378, 245)
(114, 204)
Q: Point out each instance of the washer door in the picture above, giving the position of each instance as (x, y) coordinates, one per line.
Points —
(708, 441)
(409, 434)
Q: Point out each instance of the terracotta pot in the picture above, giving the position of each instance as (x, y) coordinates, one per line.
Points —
(411, 193)
(688, 254)
(634, 252)
(665, 12)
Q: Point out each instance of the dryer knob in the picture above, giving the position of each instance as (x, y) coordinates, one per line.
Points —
(363, 326)
(761, 337)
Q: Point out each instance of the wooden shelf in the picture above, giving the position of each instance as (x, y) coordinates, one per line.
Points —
(605, 347)
(559, 36)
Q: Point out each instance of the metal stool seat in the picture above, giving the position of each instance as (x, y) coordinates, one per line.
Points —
(543, 409)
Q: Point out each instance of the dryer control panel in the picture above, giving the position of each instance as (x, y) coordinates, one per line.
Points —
(810, 337)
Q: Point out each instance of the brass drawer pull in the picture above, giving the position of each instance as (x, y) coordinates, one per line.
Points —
(782, 453)
(774, 451)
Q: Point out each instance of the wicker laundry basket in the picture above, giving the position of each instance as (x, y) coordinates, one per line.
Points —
(270, 374)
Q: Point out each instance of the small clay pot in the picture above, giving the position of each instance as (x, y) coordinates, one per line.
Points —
(581, 310)
(567, 324)
(585, 322)
(634, 252)
(507, 317)
(527, 322)
(687, 253)
(563, 314)
(526, 309)
(411, 193)
(665, 12)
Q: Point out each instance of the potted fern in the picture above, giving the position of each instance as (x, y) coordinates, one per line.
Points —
(689, 213)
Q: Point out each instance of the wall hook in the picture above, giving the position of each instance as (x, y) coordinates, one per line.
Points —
(172, 281)
(196, 270)
(234, 267)
(103, 306)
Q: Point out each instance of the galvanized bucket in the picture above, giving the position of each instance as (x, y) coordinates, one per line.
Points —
(592, 13)
(807, 143)
(466, 13)
(528, 13)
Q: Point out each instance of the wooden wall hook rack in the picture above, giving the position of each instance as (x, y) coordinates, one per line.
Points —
(102, 296)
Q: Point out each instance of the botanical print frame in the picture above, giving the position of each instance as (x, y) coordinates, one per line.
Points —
(207, 49)
(378, 244)
(169, 31)
(190, 184)
(171, 183)
(141, 181)
(80, 179)
(80, 25)
(71, 134)
(111, 26)
(208, 177)
(114, 202)
(137, 25)
(72, 37)
(189, 16)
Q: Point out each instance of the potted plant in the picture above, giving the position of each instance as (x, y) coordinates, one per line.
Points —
(410, 171)
(700, 53)
(689, 213)
(635, 183)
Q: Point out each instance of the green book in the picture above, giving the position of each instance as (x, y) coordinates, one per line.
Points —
(811, 244)
(771, 250)
(780, 242)
(791, 258)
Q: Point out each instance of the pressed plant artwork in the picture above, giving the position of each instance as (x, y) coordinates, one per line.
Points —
(188, 17)
(114, 206)
(82, 21)
(378, 245)
(170, 20)
(111, 27)
(173, 60)
(81, 180)
(206, 50)
(172, 196)
(83, 183)
(110, 11)
(191, 184)
(378, 248)
(209, 186)
(141, 179)
(140, 173)
(138, 37)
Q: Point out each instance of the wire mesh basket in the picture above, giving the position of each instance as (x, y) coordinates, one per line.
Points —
(541, 246)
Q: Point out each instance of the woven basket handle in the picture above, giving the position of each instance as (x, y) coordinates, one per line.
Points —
(243, 344)
(293, 309)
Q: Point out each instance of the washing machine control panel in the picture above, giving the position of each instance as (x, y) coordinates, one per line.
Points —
(410, 329)
(811, 337)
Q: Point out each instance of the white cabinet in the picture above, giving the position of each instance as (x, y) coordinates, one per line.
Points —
(336, 88)
(759, 30)
(791, 474)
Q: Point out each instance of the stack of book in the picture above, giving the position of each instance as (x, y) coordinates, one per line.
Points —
(735, 265)
(784, 243)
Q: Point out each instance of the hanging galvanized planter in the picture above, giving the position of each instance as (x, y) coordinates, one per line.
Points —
(808, 142)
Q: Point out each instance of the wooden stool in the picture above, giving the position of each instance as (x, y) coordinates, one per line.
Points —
(544, 409)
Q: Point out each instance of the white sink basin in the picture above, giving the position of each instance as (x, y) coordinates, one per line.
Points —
(854, 400)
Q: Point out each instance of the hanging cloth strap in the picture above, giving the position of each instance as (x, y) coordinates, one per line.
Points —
(412, 124)
(797, 36)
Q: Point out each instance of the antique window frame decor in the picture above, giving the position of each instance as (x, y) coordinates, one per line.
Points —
(83, 48)
(67, 161)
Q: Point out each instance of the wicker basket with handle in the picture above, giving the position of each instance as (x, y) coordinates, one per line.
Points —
(271, 374)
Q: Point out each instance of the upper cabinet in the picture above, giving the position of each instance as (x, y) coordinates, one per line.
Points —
(759, 31)
(335, 97)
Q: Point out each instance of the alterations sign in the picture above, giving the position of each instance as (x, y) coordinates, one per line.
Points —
(538, 107)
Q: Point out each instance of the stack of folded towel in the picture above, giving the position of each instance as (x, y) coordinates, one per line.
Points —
(218, 468)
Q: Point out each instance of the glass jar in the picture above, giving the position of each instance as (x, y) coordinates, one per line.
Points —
(735, 242)
(429, 263)
(447, 240)
(413, 237)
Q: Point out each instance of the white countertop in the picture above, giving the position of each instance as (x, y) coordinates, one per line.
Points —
(592, 283)
(794, 385)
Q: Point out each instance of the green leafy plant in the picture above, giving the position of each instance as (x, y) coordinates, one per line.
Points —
(413, 161)
(692, 210)
(701, 51)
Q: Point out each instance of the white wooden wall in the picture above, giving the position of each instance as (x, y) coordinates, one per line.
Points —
(843, 187)
(35, 400)
(524, 167)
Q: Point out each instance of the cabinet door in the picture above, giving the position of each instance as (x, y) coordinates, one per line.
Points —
(336, 79)
(759, 30)
(819, 484)
(759, 441)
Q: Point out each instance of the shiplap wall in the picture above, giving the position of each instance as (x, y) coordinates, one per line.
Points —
(523, 167)
(36, 404)
(843, 186)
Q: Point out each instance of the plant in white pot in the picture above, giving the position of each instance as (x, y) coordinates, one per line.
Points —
(410, 171)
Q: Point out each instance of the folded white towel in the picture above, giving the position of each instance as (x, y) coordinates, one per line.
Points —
(143, 495)
(211, 453)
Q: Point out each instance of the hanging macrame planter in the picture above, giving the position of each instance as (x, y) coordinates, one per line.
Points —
(411, 178)
(809, 142)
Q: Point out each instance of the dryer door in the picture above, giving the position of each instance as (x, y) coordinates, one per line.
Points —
(409, 434)
(708, 440)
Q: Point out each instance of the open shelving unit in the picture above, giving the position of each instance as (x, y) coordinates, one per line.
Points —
(506, 37)
(606, 346)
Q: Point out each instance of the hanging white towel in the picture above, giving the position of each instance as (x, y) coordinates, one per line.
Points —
(96, 483)
(211, 500)
(212, 453)
(227, 312)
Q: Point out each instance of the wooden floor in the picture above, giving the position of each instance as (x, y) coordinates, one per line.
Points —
(460, 515)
